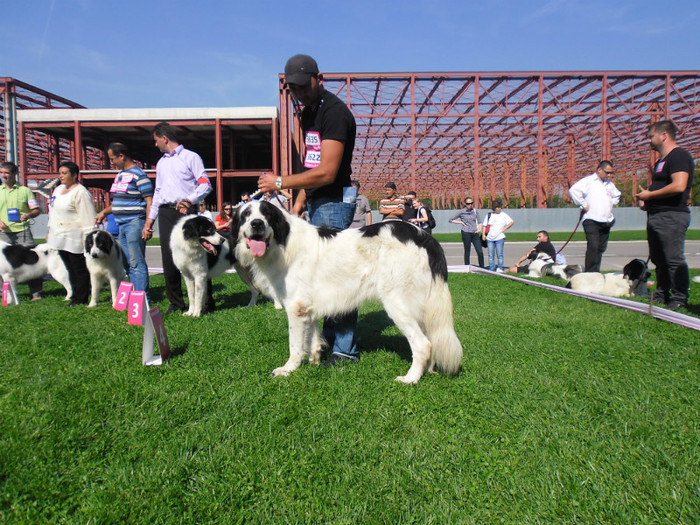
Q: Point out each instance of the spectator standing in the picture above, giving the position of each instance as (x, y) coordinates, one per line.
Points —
(278, 198)
(596, 194)
(363, 211)
(325, 187)
(17, 206)
(495, 226)
(132, 195)
(392, 207)
(181, 183)
(668, 215)
(421, 218)
(471, 231)
(71, 217)
(409, 211)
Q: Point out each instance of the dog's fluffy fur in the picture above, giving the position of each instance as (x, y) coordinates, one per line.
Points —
(543, 266)
(105, 261)
(201, 253)
(315, 273)
(19, 264)
(632, 281)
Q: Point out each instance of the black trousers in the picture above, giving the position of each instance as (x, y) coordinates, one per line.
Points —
(469, 240)
(666, 236)
(597, 234)
(167, 218)
(78, 275)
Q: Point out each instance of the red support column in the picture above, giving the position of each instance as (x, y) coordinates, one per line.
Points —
(476, 161)
(218, 146)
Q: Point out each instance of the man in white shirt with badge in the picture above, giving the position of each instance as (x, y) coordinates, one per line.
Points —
(596, 194)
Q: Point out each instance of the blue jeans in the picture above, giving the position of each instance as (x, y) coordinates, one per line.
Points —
(135, 250)
(339, 330)
(497, 247)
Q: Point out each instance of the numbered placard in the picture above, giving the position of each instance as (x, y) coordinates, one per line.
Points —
(137, 307)
(9, 294)
(123, 296)
(155, 328)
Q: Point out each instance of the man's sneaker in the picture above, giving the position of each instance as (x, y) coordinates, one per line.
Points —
(498, 270)
(676, 305)
(659, 297)
(335, 359)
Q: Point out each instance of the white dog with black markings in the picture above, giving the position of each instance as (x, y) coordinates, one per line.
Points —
(633, 281)
(19, 264)
(315, 273)
(201, 254)
(105, 261)
(544, 266)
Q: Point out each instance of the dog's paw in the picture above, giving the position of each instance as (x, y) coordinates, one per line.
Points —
(407, 380)
(315, 358)
(92, 305)
(280, 372)
(278, 305)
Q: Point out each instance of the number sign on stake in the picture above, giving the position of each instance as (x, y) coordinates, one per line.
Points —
(123, 295)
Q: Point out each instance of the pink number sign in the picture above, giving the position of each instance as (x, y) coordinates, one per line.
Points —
(123, 296)
(137, 304)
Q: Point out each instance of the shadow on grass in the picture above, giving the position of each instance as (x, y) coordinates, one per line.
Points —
(370, 336)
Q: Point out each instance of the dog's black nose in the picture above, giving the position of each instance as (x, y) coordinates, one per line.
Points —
(258, 225)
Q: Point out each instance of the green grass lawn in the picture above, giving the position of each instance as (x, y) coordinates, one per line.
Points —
(566, 411)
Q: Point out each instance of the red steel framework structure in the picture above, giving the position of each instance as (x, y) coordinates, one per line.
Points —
(526, 137)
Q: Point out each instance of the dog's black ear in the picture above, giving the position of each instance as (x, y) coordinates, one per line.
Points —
(571, 270)
(107, 241)
(89, 241)
(634, 269)
(190, 230)
(277, 221)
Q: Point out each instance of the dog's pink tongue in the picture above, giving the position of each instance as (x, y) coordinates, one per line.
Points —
(208, 247)
(257, 248)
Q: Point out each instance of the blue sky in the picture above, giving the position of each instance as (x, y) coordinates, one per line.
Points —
(152, 53)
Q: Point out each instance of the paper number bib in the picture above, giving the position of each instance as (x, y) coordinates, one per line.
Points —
(313, 149)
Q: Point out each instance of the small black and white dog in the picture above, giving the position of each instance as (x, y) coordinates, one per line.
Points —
(19, 264)
(105, 261)
(631, 282)
(201, 253)
(543, 266)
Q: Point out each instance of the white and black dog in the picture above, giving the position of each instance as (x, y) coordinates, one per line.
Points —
(105, 261)
(201, 253)
(631, 282)
(316, 272)
(543, 266)
(19, 264)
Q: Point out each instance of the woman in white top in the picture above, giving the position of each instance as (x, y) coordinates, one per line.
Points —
(421, 218)
(496, 223)
(71, 217)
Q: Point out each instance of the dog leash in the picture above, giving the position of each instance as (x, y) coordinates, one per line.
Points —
(572, 233)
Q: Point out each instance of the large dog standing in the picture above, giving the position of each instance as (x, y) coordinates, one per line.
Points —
(19, 264)
(105, 261)
(201, 253)
(631, 282)
(315, 272)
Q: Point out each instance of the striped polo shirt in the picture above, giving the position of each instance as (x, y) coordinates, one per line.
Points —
(129, 191)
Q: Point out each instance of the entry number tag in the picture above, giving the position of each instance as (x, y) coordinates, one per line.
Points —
(9, 295)
(123, 296)
(313, 149)
(137, 305)
(154, 327)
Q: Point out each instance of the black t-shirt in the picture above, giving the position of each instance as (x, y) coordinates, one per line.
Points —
(546, 247)
(677, 160)
(333, 121)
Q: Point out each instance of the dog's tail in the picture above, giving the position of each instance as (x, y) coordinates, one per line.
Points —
(446, 352)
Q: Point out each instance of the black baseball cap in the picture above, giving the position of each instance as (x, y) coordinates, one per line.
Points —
(390, 185)
(299, 69)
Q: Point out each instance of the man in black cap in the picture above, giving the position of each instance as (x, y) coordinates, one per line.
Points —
(324, 185)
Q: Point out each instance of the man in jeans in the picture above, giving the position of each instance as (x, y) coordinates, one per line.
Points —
(132, 195)
(668, 215)
(325, 186)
